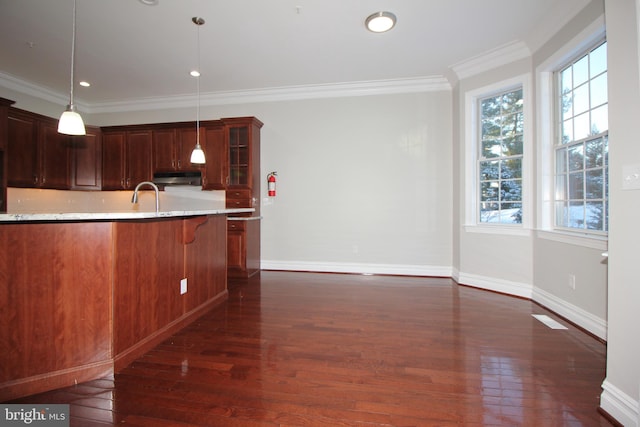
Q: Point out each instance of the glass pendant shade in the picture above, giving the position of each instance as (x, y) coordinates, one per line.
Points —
(71, 123)
(197, 155)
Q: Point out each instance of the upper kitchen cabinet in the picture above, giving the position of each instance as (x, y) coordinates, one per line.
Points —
(243, 145)
(126, 158)
(172, 149)
(4, 136)
(216, 169)
(39, 155)
(86, 160)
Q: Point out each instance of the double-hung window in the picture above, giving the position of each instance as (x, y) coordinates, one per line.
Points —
(582, 142)
(500, 157)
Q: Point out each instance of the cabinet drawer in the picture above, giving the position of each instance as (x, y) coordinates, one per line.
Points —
(239, 203)
(236, 225)
(239, 194)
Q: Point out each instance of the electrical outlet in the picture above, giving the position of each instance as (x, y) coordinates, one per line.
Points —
(183, 286)
(572, 281)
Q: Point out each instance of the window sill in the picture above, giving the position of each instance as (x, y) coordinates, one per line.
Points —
(498, 229)
(577, 239)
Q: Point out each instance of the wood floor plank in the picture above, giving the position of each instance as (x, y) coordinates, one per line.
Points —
(306, 349)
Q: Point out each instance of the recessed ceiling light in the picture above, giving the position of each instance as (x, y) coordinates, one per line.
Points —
(380, 22)
(84, 84)
(149, 2)
(195, 73)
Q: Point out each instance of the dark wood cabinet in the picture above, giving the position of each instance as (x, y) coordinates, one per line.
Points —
(39, 155)
(243, 153)
(126, 158)
(22, 148)
(86, 160)
(242, 145)
(215, 171)
(172, 149)
(54, 153)
(4, 136)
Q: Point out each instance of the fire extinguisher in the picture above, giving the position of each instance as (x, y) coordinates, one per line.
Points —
(271, 184)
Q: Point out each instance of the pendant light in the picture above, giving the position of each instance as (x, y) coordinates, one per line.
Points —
(197, 155)
(70, 122)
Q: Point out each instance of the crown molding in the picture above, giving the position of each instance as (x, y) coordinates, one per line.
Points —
(18, 85)
(288, 93)
(491, 59)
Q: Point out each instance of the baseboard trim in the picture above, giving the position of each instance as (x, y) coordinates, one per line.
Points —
(356, 268)
(522, 290)
(592, 324)
(619, 405)
(52, 380)
(126, 357)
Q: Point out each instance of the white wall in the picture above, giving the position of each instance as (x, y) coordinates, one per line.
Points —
(621, 387)
(492, 260)
(364, 182)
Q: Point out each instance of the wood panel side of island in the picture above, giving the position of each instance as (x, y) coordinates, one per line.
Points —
(151, 259)
(55, 300)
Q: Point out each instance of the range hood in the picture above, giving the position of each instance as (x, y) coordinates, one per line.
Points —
(177, 178)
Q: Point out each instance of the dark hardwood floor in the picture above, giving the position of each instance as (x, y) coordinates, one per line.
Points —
(304, 349)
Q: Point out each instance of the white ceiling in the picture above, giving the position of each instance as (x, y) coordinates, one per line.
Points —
(130, 51)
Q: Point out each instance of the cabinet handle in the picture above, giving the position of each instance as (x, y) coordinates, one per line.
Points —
(179, 164)
(35, 179)
(173, 164)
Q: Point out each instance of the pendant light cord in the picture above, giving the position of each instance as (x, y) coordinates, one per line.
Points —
(198, 91)
(73, 52)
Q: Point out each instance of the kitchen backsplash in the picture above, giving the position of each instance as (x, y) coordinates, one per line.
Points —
(33, 200)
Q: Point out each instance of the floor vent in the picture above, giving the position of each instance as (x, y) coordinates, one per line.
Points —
(549, 321)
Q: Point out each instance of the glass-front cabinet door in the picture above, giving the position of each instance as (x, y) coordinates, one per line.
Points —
(239, 155)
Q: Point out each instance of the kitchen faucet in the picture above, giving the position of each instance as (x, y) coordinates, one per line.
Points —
(134, 198)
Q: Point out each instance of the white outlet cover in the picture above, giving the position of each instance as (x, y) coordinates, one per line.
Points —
(183, 286)
(631, 177)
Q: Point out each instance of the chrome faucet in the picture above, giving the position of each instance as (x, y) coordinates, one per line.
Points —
(134, 198)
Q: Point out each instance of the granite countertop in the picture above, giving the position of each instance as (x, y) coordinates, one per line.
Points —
(113, 216)
(26, 205)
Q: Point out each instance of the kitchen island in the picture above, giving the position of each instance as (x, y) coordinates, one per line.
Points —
(84, 292)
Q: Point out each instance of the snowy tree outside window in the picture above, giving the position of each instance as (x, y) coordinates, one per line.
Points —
(500, 158)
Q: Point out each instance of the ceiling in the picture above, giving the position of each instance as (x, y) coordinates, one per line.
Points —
(130, 51)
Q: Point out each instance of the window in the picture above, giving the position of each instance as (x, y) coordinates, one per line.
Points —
(500, 157)
(582, 144)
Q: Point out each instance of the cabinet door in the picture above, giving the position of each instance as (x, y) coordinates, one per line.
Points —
(113, 171)
(164, 157)
(186, 143)
(236, 248)
(86, 160)
(239, 156)
(22, 151)
(215, 173)
(54, 152)
(138, 157)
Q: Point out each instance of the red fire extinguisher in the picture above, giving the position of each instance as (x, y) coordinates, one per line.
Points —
(271, 184)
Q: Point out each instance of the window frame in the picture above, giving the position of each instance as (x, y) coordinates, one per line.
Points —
(472, 143)
(546, 128)
(558, 144)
